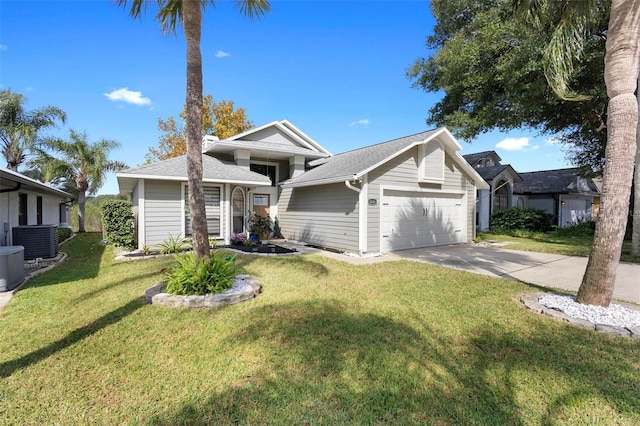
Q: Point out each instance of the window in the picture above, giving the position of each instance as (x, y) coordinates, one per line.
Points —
(431, 167)
(212, 207)
(501, 196)
(39, 210)
(22, 209)
(266, 170)
(237, 206)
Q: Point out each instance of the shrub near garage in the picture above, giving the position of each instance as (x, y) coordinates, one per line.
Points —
(519, 218)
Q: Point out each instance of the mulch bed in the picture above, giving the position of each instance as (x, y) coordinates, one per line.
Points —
(261, 248)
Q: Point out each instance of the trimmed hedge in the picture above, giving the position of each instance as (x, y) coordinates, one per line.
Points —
(520, 218)
(117, 223)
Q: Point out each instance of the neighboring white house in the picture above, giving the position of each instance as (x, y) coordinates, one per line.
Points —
(415, 191)
(25, 201)
(564, 194)
(500, 177)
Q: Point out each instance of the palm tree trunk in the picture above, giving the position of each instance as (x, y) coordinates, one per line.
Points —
(192, 22)
(621, 77)
(81, 209)
(635, 225)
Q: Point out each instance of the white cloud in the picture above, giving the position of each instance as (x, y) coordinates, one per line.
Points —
(513, 144)
(222, 54)
(128, 96)
(3, 47)
(363, 122)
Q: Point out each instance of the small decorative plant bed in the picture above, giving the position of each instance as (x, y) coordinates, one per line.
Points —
(260, 249)
(243, 288)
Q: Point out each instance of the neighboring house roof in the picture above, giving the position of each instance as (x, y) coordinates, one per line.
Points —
(491, 172)
(561, 181)
(27, 183)
(302, 144)
(475, 158)
(213, 169)
(354, 164)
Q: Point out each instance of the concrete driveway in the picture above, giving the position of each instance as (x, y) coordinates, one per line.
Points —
(543, 269)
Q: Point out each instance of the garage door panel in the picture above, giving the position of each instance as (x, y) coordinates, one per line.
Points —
(414, 219)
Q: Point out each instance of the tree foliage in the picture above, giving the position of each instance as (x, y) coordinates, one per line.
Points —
(80, 161)
(218, 118)
(490, 66)
(19, 128)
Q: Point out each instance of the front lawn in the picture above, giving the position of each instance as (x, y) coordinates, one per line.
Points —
(554, 242)
(325, 343)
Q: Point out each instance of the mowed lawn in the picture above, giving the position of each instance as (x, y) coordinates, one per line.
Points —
(325, 343)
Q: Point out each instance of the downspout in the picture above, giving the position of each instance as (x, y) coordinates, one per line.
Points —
(362, 211)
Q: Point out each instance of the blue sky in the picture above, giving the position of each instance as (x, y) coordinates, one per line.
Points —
(334, 69)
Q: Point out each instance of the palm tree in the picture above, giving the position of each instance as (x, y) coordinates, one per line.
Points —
(79, 161)
(19, 128)
(189, 13)
(622, 65)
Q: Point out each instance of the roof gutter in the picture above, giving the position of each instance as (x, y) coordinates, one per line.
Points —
(347, 183)
(17, 188)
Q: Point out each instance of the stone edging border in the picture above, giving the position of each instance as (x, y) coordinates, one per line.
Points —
(244, 288)
(531, 301)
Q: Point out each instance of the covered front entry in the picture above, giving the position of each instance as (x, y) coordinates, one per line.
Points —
(421, 219)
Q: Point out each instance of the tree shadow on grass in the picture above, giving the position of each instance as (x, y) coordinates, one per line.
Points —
(9, 367)
(323, 364)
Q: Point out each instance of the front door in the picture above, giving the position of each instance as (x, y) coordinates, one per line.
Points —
(261, 203)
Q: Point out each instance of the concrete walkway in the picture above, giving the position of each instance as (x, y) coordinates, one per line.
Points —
(543, 269)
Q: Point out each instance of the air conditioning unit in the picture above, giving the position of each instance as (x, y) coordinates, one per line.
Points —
(39, 241)
(11, 267)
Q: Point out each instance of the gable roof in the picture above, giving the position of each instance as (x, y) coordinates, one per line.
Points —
(354, 164)
(302, 144)
(27, 183)
(490, 172)
(561, 181)
(213, 170)
(473, 159)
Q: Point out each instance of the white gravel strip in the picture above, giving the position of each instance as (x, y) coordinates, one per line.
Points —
(615, 314)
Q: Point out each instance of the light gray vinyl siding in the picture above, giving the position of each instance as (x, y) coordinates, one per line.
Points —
(273, 134)
(402, 171)
(162, 211)
(325, 215)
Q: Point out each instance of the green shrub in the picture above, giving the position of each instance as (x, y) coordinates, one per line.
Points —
(63, 234)
(277, 232)
(579, 228)
(117, 220)
(518, 218)
(198, 277)
(174, 245)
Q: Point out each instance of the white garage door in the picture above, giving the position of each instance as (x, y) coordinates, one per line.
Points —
(418, 219)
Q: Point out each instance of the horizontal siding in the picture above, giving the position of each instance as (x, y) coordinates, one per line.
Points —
(403, 171)
(162, 210)
(324, 215)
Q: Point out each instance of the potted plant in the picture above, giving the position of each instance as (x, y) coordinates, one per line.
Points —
(260, 226)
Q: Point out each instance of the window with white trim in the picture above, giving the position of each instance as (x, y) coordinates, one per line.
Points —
(212, 196)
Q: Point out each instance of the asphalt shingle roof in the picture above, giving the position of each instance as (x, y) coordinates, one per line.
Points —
(353, 162)
(561, 181)
(212, 169)
(475, 157)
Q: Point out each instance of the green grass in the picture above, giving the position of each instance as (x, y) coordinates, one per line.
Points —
(552, 242)
(325, 343)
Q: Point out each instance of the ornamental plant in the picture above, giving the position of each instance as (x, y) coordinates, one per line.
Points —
(192, 276)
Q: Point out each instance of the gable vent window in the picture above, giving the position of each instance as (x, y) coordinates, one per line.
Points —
(431, 167)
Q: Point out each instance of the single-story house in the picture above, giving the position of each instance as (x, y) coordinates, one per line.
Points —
(563, 193)
(25, 201)
(500, 177)
(415, 191)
